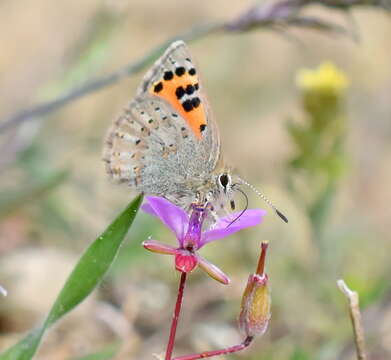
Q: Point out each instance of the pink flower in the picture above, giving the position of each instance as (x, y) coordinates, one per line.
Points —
(190, 235)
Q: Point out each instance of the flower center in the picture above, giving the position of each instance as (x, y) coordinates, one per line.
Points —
(185, 261)
(192, 238)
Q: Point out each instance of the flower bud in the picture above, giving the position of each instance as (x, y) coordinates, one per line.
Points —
(256, 302)
(255, 309)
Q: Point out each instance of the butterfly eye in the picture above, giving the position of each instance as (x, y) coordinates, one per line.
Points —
(224, 180)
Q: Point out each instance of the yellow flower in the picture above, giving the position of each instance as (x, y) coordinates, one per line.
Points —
(326, 78)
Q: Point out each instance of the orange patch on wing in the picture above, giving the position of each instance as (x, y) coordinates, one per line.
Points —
(167, 89)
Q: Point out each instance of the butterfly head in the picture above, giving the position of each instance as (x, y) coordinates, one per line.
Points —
(225, 186)
(228, 185)
(221, 193)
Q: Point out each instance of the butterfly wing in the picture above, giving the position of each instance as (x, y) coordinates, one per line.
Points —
(175, 79)
(165, 142)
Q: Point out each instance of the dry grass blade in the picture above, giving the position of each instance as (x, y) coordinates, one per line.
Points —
(355, 315)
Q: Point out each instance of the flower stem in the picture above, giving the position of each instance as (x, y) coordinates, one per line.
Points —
(246, 342)
(174, 324)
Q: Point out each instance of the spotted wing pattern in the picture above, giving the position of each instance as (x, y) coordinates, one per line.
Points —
(155, 146)
(175, 79)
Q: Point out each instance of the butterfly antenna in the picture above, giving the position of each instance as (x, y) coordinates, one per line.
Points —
(265, 199)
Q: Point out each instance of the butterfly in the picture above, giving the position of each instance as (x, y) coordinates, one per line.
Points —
(167, 143)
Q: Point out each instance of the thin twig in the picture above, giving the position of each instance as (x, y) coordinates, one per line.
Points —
(266, 15)
(346, 4)
(355, 315)
(175, 318)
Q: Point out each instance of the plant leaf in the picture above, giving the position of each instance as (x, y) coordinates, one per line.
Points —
(86, 275)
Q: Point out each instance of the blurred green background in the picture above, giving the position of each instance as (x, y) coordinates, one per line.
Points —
(55, 197)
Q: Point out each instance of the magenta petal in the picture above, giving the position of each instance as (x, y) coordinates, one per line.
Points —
(155, 246)
(212, 270)
(251, 217)
(170, 215)
(148, 209)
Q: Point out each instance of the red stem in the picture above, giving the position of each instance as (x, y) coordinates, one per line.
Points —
(261, 262)
(247, 341)
(174, 324)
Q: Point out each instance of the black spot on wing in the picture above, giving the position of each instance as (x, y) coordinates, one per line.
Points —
(195, 102)
(187, 105)
(179, 92)
(190, 89)
(168, 75)
(179, 71)
(158, 87)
